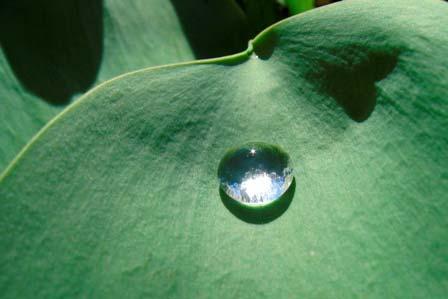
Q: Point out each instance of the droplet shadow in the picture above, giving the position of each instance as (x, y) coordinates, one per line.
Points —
(259, 215)
(264, 45)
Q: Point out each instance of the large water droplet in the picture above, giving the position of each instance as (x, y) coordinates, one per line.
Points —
(255, 174)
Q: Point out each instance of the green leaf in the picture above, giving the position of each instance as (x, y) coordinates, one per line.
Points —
(298, 6)
(118, 196)
(53, 51)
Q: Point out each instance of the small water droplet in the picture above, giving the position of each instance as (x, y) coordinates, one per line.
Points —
(254, 56)
(255, 174)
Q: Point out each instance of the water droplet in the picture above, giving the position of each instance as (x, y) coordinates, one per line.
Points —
(255, 174)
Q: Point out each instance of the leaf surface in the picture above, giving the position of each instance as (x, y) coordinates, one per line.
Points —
(118, 196)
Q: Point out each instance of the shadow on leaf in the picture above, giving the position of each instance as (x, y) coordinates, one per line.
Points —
(352, 82)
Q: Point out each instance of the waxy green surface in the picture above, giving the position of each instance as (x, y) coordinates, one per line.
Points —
(117, 196)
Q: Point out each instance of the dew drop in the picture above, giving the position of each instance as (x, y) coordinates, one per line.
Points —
(255, 174)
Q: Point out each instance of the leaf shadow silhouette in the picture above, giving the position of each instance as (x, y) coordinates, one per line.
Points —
(352, 80)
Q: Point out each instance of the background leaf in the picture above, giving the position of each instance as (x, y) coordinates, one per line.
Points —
(54, 50)
(127, 203)
(298, 6)
(262, 13)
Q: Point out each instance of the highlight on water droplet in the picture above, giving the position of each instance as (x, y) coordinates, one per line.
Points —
(253, 177)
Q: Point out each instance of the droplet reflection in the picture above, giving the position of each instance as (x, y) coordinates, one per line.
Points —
(255, 174)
